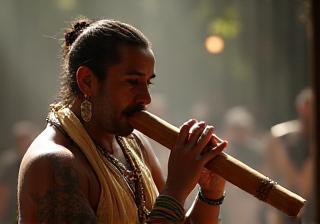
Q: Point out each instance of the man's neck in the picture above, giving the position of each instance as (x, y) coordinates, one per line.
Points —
(100, 137)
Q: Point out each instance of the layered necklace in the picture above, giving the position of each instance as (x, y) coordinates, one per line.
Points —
(131, 175)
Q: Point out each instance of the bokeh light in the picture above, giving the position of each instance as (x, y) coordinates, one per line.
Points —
(214, 44)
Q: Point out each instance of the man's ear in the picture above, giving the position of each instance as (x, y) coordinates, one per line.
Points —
(86, 80)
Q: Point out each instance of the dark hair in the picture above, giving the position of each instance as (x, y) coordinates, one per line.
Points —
(94, 44)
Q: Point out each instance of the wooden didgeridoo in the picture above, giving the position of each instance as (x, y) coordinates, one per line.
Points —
(224, 165)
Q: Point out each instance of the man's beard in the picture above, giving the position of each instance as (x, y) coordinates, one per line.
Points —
(129, 111)
(121, 127)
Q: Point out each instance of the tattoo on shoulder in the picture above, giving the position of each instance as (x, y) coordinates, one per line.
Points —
(64, 202)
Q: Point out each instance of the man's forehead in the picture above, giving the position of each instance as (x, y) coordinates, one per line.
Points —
(137, 60)
(134, 61)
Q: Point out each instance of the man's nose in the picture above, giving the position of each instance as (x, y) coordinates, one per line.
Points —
(144, 96)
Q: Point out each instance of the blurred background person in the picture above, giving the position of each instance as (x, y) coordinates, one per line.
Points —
(239, 128)
(23, 133)
(291, 158)
(245, 145)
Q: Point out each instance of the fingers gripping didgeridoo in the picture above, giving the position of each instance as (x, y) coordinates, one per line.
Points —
(224, 165)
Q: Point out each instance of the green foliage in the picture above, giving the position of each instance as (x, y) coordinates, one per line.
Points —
(228, 25)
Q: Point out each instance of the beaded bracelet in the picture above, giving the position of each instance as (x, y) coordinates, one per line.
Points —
(209, 201)
(166, 210)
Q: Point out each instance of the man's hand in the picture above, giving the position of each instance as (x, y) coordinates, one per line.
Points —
(212, 185)
(188, 158)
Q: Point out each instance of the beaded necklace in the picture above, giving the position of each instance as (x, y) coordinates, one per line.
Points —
(132, 177)
(126, 173)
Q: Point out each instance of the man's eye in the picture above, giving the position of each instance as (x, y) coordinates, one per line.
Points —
(133, 81)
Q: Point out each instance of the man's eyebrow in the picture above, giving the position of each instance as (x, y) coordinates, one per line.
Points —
(140, 74)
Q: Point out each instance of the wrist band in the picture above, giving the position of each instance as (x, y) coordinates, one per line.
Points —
(166, 210)
(209, 201)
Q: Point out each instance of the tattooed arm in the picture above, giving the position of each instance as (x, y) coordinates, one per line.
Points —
(49, 190)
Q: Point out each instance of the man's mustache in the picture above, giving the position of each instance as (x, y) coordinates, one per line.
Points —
(133, 109)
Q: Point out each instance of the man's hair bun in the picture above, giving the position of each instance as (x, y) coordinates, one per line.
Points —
(71, 34)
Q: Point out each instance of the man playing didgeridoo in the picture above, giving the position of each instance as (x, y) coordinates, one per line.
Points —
(89, 166)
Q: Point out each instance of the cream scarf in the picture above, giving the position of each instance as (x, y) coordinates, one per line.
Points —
(116, 203)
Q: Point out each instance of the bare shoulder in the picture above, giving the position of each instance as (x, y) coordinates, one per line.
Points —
(49, 186)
